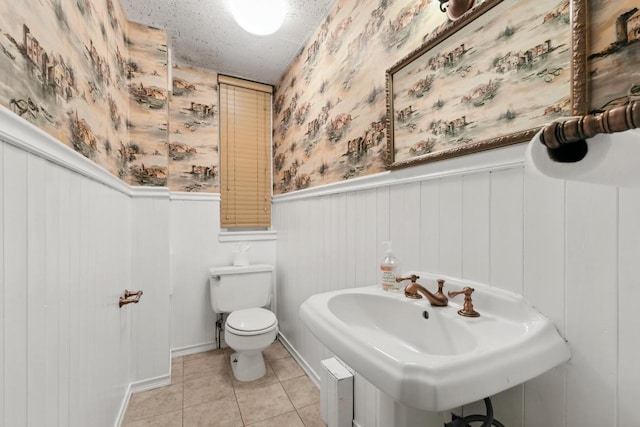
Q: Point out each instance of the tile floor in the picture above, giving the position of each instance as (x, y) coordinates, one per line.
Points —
(203, 393)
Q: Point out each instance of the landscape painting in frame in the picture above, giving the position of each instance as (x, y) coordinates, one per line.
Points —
(614, 54)
(490, 79)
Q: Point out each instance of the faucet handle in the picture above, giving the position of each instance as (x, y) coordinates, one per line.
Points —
(412, 277)
(414, 294)
(467, 308)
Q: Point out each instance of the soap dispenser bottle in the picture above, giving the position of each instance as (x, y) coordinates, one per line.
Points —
(389, 269)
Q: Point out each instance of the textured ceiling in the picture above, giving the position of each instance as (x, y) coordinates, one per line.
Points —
(204, 34)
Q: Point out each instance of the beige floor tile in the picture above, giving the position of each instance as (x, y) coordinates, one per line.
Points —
(311, 416)
(210, 364)
(301, 391)
(219, 413)
(173, 419)
(286, 368)
(263, 403)
(290, 419)
(206, 389)
(244, 386)
(154, 402)
(177, 370)
(275, 351)
(202, 354)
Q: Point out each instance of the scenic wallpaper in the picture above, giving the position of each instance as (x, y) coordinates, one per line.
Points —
(99, 84)
(63, 67)
(614, 53)
(193, 138)
(330, 106)
(146, 153)
(494, 77)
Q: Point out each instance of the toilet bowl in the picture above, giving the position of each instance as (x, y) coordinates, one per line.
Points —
(248, 332)
(243, 292)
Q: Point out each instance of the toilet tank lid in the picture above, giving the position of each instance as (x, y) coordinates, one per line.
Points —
(232, 269)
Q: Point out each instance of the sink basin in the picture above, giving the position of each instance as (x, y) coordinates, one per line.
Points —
(431, 358)
(403, 333)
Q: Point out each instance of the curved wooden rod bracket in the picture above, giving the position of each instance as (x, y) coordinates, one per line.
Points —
(566, 139)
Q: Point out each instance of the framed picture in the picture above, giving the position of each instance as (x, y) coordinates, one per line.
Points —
(614, 54)
(491, 78)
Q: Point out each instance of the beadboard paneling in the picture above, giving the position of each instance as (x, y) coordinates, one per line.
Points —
(194, 225)
(193, 234)
(429, 226)
(404, 223)
(66, 356)
(571, 249)
(628, 296)
(450, 223)
(544, 284)
(507, 229)
(37, 294)
(476, 229)
(15, 293)
(592, 303)
(58, 368)
(3, 294)
(150, 256)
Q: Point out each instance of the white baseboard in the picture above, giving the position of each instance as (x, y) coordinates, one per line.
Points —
(123, 407)
(192, 349)
(303, 363)
(136, 387)
(305, 366)
(150, 384)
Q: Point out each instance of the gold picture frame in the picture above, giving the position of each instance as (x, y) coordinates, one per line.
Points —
(489, 79)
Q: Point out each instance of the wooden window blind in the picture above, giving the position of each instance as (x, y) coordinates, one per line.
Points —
(245, 153)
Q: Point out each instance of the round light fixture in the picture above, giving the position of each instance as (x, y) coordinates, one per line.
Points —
(259, 17)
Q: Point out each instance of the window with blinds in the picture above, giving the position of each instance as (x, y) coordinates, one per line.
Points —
(245, 153)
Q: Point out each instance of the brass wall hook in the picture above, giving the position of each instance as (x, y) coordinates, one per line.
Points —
(130, 297)
(467, 308)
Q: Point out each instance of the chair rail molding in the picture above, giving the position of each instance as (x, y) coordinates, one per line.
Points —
(493, 160)
(20, 133)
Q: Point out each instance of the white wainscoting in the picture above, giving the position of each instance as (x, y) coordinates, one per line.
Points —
(150, 240)
(196, 247)
(73, 239)
(571, 249)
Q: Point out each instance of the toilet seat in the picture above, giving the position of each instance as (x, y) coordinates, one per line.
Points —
(251, 321)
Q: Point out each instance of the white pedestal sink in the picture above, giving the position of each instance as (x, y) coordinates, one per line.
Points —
(438, 360)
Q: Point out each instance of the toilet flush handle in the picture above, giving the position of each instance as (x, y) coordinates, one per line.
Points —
(216, 277)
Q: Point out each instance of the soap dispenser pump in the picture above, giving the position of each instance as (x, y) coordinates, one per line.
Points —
(389, 269)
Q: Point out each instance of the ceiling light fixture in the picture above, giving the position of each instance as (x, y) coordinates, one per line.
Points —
(259, 17)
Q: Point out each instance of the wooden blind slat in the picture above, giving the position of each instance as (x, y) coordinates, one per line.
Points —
(245, 151)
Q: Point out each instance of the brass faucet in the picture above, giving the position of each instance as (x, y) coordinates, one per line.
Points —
(438, 299)
(467, 308)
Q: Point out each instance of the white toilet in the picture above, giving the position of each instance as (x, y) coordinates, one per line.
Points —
(249, 329)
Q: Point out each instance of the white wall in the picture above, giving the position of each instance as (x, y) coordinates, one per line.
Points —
(73, 239)
(150, 259)
(571, 249)
(196, 246)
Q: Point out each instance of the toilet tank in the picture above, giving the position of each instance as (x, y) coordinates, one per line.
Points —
(239, 287)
